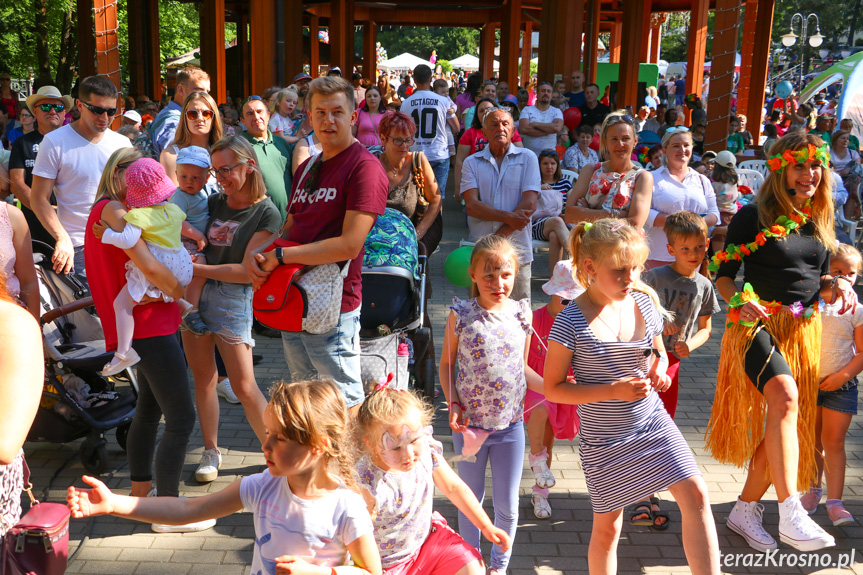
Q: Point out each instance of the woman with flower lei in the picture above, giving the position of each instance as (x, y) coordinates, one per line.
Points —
(767, 383)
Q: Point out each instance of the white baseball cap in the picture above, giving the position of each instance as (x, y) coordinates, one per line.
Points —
(133, 115)
(726, 159)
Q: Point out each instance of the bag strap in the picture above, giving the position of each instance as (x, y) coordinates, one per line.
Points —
(294, 191)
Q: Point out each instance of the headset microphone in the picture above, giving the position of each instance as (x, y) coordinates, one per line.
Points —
(791, 191)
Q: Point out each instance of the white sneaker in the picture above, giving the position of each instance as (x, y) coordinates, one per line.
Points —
(798, 530)
(224, 390)
(208, 469)
(187, 528)
(745, 520)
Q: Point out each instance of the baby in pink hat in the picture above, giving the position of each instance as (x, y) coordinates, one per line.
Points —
(159, 223)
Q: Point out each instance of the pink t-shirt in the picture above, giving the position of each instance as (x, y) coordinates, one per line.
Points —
(352, 180)
(368, 128)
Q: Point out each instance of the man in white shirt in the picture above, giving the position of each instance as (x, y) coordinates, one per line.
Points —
(540, 124)
(500, 186)
(431, 113)
(70, 163)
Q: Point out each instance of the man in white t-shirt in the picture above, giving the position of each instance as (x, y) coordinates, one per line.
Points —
(540, 124)
(70, 163)
(431, 112)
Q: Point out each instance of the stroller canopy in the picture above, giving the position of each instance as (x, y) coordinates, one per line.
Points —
(392, 241)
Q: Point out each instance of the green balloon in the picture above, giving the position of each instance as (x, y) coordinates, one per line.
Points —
(456, 267)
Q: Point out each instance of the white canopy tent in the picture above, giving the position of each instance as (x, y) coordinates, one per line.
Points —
(404, 61)
(469, 63)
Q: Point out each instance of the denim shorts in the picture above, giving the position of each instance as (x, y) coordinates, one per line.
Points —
(843, 400)
(226, 308)
(332, 355)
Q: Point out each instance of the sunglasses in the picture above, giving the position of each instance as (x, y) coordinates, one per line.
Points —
(224, 172)
(399, 142)
(625, 119)
(99, 110)
(253, 98)
(48, 107)
(676, 129)
(544, 83)
(194, 114)
(548, 154)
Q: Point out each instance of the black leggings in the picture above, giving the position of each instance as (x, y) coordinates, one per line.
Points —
(763, 360)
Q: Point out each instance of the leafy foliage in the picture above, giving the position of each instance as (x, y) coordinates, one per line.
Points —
(450, 43)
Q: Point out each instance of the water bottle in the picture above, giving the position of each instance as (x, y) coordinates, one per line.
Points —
(403, 356)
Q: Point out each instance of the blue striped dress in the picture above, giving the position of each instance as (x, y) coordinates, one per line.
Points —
(629, 449)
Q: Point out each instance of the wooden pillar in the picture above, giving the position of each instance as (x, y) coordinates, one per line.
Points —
(548, 45)
(245, 54)
(107, 45)
(747, 40)
(590, 37)
(144, 69)
(342, 36)
(614, 42)
(510, 27)
(644, 33)
(293, 38)
(634, 31)
(697, 50)
(758, 74)
(526, 52)
(262, 34)
(314, 46)
(486, 51)
(212, 26)
(86, 39)
(571, 17)
(655, 39)
(722, 77)
(370, 52)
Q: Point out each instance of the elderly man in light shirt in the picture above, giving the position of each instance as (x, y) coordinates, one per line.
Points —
(500, 186)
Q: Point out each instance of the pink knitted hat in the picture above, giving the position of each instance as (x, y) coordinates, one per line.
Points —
(147, 183)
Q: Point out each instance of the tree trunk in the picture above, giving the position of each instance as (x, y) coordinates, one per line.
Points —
(853, 28)
(40, 29)
(68, 55)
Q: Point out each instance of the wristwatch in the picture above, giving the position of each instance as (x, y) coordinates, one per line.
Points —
(279, 254)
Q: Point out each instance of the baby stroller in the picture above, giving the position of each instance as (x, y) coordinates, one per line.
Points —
(391, 320)
(76, 400)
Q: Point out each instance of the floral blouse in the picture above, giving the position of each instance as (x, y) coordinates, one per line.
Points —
(490, 380)
(403, 503)
(611, 191)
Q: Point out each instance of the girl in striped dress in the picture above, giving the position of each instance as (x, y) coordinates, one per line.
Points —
(629, 446)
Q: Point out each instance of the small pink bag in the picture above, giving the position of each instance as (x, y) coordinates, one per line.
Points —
(39, 543)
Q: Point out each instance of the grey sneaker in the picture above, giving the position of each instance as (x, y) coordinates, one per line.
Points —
(186, 528)
(745, 520)
(208, 469)
(225, 391)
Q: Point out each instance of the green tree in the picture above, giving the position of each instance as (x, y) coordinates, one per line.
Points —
(449, 43)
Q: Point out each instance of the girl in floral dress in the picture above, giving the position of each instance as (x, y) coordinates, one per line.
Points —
(398, 473)
(488, 337)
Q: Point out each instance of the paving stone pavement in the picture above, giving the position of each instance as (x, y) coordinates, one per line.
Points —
(545, 547)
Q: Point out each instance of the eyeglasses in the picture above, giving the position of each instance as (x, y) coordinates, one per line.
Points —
(56, 107)
(674, 129)
(193, 114)
(399, 142)
(26, 116)
(99, 110)
(224, 172)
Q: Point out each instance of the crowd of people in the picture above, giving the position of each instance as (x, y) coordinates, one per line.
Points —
(175, 217)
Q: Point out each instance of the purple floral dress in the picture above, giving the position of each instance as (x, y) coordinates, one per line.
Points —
(490, 380)
(403, 503)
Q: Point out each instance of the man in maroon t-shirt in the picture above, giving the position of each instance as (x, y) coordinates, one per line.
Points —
(336, 198)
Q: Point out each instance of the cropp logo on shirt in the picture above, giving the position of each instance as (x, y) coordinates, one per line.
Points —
(319, 195)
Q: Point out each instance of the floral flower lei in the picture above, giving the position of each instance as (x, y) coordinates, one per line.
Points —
(810, 152)
(783, 226)
(641, 154)
(692, 98)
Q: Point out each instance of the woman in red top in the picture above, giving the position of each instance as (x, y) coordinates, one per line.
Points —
(9, 97)
(163, 387)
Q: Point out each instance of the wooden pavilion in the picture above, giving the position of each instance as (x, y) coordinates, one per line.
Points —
(272, 51)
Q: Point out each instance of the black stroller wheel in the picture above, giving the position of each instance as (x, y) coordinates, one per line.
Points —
(94, 457)
(428, 379)
(123, 435)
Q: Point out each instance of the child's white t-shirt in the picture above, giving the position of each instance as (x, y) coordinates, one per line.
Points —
(837, 337)
(316, 530)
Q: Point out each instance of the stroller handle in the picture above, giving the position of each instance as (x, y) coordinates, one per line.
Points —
(66, 309)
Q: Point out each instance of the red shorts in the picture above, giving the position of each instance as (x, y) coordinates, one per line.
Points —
(444, 552)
